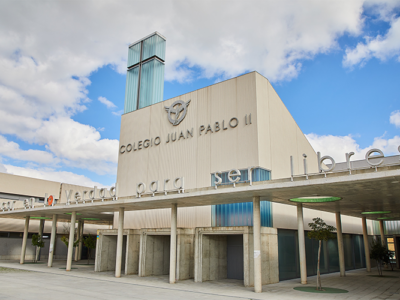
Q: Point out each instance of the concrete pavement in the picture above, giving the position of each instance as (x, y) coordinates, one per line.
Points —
(37, 281)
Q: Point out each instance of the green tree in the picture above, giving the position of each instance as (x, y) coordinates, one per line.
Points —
(381, 254)
(38, 242)
(65, 240)
(90, 242)
(320, 231)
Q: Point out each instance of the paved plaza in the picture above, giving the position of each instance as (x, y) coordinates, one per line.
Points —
(37, 281)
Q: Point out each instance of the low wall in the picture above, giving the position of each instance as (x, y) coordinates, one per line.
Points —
(154, 257)
(106, 251)
(211, 248)
(10, 249)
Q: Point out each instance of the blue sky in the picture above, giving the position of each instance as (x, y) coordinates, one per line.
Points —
(336, 68)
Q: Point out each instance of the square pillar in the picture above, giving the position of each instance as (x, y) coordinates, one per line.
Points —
(24, 239)
(172, 259)
(120, 241)
(382, 231)
(366, 246)
(40, 233)
(71, 241)
(342, 265)
(52, 241)
(257, 245)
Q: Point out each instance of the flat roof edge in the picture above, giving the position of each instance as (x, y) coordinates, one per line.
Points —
(151, 34)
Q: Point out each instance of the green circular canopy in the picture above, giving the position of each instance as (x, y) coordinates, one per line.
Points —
(91, 219)
(325, 290)
(78, 214)
(315, 199)
(40, 218)
(375, 212)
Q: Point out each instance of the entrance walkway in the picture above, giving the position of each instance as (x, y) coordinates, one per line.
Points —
(37, 281)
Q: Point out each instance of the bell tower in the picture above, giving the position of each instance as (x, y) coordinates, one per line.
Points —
(145, 74)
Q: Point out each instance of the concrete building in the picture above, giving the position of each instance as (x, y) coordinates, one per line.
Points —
(221, 183)
(15, 191)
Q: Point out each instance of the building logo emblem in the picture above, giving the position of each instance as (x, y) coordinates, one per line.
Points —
(179, 110)
(50, 200)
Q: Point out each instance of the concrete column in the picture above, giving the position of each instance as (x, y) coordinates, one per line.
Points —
(78, 236)
(366, 246)
(302, 244)
(342, 265)
(120, 240)
(40, 233)
(80, 240)
(257, 244)
(24, 239)
(71, 241)
(382, 231)
(172, 259)
(52, 241)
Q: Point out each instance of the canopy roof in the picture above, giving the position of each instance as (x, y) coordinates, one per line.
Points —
(364, 190)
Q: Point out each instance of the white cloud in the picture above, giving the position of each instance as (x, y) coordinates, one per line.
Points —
(272, 37)
(380, 47)
(107, 102)
(78, 145)
(49, 49)
(68, 142)
(388, 146)
(337, 146)
(58, 176)
(12, 150)
(384, 9)
(395, 118)
(118, 113)
(55, 36)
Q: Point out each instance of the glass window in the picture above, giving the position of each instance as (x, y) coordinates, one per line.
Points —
(390, 245)
(288, 254)
(132, 81)
(241, 214)
(151, 83)
(358, 251)
(348, 252)
(134, 54)
(289, 266)
(311, 255)
(148, 88)
(154, 45)
(333, 253)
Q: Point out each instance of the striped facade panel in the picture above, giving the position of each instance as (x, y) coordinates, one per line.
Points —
(151, 83)
(241, 214)
(154, 45)
(390, 227)
(134, 54)
(132, 82)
